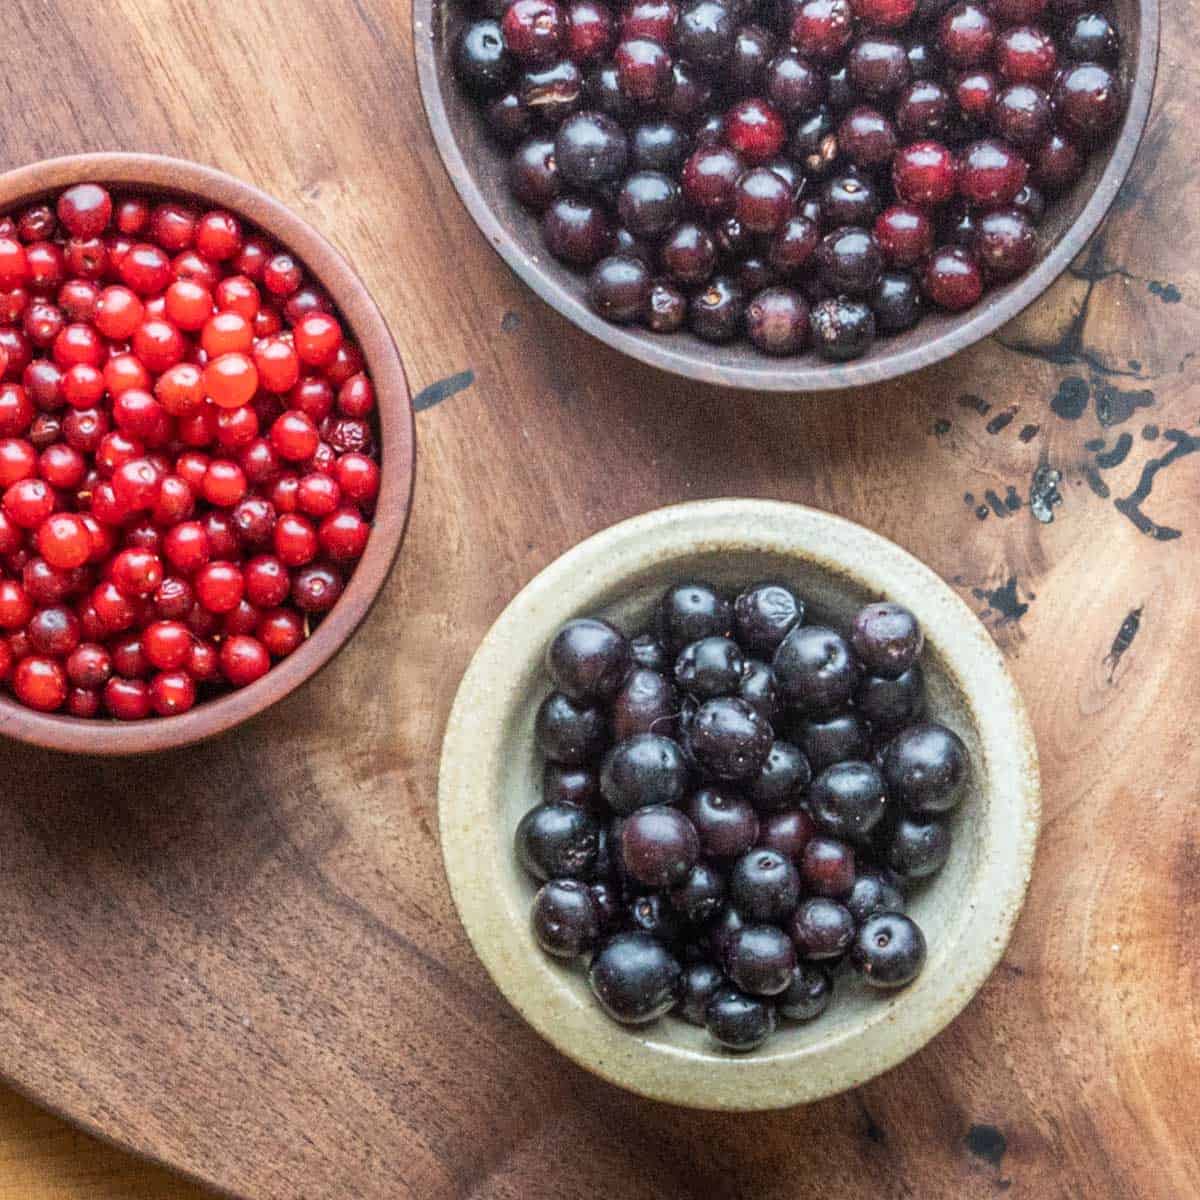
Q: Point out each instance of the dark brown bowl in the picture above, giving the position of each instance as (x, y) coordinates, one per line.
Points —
(155, 175)
(476, 166)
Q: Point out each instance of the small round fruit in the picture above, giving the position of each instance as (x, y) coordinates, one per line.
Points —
(729, 739)
(739, 1022)
(787, 833)
(807, 994)
(557, 841)
(815, 669)
(619, 288)
(1088, 101)
(659, 846)
(635, 978)
(765, 614)
(821, 928)
(886, 638)
(848, 799)
(918, 848)
(760, 959)
(889, 950)
(564, 917)
(842, 328)
(644, 703)
(891, 704)
(691, 611)
(726, 823)
(588, 659)
(648, 769)
(569, 733)
(924, 768)
(874, 892)
(591, 150)
(701, 894)
(783, 780)
(764, 886)
(827, 867)
(709, 668)
(952, 279)
(1005, 243)
(700, 983)
(777, 321)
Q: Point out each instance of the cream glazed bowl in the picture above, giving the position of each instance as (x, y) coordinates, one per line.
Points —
(491, 775)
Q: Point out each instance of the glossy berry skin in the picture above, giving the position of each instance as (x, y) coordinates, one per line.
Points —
(569, 733)
(619, 288)
(849, 261)
(709, 668)
(777, 321)
(1026, 54)
(827, 867)
(925, 767)
(821, 929)
(709, 177)
(643, 70)
(918, 848)
(726, 824)
(700, 983)
(821, 29)
(645, 702)
(659, 846)
(760, 959)
(814, 668)
(705, 34)
(848, 799)
(990, 173)
(557, 841)
(1022, 115)
(924, 173)
(644, 770)
(886, 638)
(739, 1022)
(588, 659)
(701, 894)
(878, 66)
(591, 150)
(764, 886)
(952, 279)
(807, 994)
(904, 234)
(967, 34)
(576, 230)
(891, 704)
(565, 919)
(634, 978)
(482, 62)
(1005, 243)
(874, 891)
(889, 950)
(762, 200)
(1088, 101)
(754, 129)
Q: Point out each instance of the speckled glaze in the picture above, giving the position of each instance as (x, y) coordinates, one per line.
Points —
(490, 775)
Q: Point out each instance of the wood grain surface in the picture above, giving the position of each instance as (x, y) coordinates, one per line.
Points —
(242, 958)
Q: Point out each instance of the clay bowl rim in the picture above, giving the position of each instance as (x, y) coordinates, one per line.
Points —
(160, 174)
(882, 363)
(492, 899)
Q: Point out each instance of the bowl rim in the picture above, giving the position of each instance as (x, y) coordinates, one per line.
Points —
(161, 174)
(540, 989)
(776, 375)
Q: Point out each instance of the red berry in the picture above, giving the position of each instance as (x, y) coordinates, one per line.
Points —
(89, 665)
(755, 130)
(15, 606)
(281, 630)
(18, 460)
(343, 535)
(63, 541)
(295, 540)
(167, 644)
(318, 336)
(54, 631)
(243, 660)
(127, 699)
(282, 274)
(136, 572)
(905, 234)
(28, 502)
(967, 35)
(173, 225)
(991, 173)
(219, 586)
(316, 588)
(231, 380)
(278, 364)
(294, 437)
(924, 173)
(145, 269)
(40, 683)
(952, 279)
(358, 477)
(822, 28)
(85, 210)
(1026, 54)
(885, 14)
(218, 236)
(534, 30)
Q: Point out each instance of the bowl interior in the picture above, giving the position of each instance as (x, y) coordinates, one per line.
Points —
(477, 167)
(159, 177)
(965, 919)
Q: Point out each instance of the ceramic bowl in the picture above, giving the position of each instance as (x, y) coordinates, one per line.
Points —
(155, 176)
(477, 168)
(491, 770)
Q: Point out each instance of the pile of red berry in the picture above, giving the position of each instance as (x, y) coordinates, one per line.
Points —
(805, 172)
(188, 466)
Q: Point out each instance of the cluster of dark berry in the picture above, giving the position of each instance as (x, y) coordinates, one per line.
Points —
(734, 804)
(811, 172)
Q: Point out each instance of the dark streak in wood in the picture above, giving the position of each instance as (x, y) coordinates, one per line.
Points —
(1118, 454)
(1130, 506)
(443, 389)
(1095, 482)
(977, 404)
(1028, 433)
(987, 1142)
(1001, 420)
(1123, 641)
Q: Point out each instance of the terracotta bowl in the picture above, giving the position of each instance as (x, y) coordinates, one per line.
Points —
(491, 771)
(476, 165)
(154, 175)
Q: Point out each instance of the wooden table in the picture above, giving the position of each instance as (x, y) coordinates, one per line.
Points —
(242, 958)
